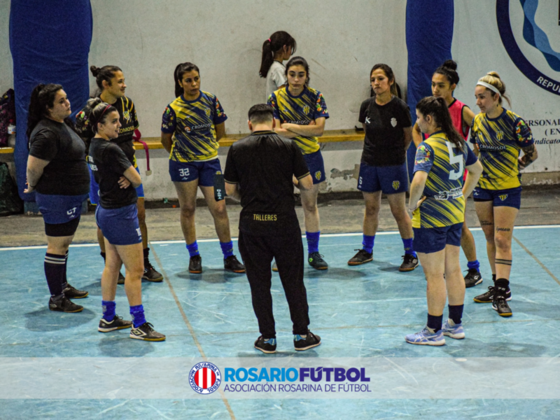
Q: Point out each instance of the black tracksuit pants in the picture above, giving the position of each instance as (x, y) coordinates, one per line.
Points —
(287, 249)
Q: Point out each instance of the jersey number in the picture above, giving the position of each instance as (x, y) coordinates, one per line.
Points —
(184, 172)
(455, 175)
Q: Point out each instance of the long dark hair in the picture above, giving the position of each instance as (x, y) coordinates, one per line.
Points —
(390, 75)
(104, 73)
(298, 61)
(272, 45)
(96, 112)
(42, 97)
(437, 108)
(449, 70)
(180, 70)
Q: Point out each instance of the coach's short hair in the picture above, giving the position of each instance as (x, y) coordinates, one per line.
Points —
(261, 113)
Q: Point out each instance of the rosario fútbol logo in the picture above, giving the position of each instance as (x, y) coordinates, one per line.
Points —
(205, 378)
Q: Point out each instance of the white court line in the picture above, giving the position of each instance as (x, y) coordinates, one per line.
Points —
(326, 235)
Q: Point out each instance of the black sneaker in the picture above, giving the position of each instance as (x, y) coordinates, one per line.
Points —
(195, 264)
(488, 297)
(121, 279)
(410, 262)
(63, 304)
(266, 345)
(473, 278)
(361, 257)
(146, 332)
(310, 341)
(116, 324)
(317, 262)
(501, 306)
(150, 273)
(231, 263)
(73, 293)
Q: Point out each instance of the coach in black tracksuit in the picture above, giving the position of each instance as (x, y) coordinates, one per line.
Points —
(261, 170)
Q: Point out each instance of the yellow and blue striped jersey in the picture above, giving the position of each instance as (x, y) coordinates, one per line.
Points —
(444, 204)
(193, 126)
(302, 109)
(499, 141)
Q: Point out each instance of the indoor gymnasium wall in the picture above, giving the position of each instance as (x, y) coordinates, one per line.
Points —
(6, 64)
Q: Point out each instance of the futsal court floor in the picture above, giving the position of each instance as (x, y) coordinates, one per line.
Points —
(57, 365)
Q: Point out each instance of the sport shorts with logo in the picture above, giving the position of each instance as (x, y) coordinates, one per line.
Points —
(120, 226)
(499, 198)
(428, 240)
(189, 171)
(388, 179)
(316, 166)
(58, 209)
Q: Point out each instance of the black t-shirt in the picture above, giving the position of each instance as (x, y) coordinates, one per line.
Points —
(263, 165)
(66, 173)
(129, 123)
(108, 163)
(384, 140)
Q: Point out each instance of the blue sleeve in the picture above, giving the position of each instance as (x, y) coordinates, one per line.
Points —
(471, 157)
(320, 107)
(168, 121)
(472, 135)
(219, 116)
(523, 133)
(272, 102)
(424, 158)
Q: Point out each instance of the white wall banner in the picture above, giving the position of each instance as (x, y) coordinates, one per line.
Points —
(520, 39)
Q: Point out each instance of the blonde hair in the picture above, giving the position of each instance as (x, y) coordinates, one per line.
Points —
(493, 78)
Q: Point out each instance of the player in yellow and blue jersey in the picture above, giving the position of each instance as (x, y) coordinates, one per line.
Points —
(437, 201)
(499, 135)
(191, 127)
(300, 113)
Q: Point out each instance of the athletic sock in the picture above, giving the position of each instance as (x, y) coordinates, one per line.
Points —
(55, 266)
(434, 322)
(65, 278)
(138, 317)
(502, 284)
(227, 249)
(193, 249)
(494, 279)
(108, 309)
(312, 241)
(368, 243)
(456, 313)
(408, 248)
(146, 256)
(473, 265)
(103, 255)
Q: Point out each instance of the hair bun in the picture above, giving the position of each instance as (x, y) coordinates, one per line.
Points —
(450, 64)
(94, 70)
(494, 74)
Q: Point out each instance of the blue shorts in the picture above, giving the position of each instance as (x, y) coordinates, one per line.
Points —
(316, 166)
(94, 188)
(388, 179)
(120, 226)
(499, 198)
(190, 171)
(428, 240)
(58, 209)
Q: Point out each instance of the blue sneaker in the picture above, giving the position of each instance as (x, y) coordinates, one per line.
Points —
(426, 338)
(456, 331)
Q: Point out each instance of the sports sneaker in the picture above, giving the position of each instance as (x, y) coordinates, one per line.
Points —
(116, 324)
(410, 262)
(120, 279)
(146, 332)
(500, 305)
(231, 263)
(488, 297)
(274, 267)
(473, 278)
(266, 345)
(63, 304)
(73, 293)
(311, 340)
(151, 274)
(456, 331)
(317, 262)
(195, 264)
(361, 257)
(426, 338)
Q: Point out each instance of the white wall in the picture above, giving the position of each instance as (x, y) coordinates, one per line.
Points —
(340, 40)
(6, 65)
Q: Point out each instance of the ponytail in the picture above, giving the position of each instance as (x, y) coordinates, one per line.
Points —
(449, 70)
(271, 46)
(42, 97)
(180, 70)
(104, 73)
(437, 108)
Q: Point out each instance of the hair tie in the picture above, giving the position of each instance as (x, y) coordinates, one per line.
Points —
(489, 86)
(269, 40)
